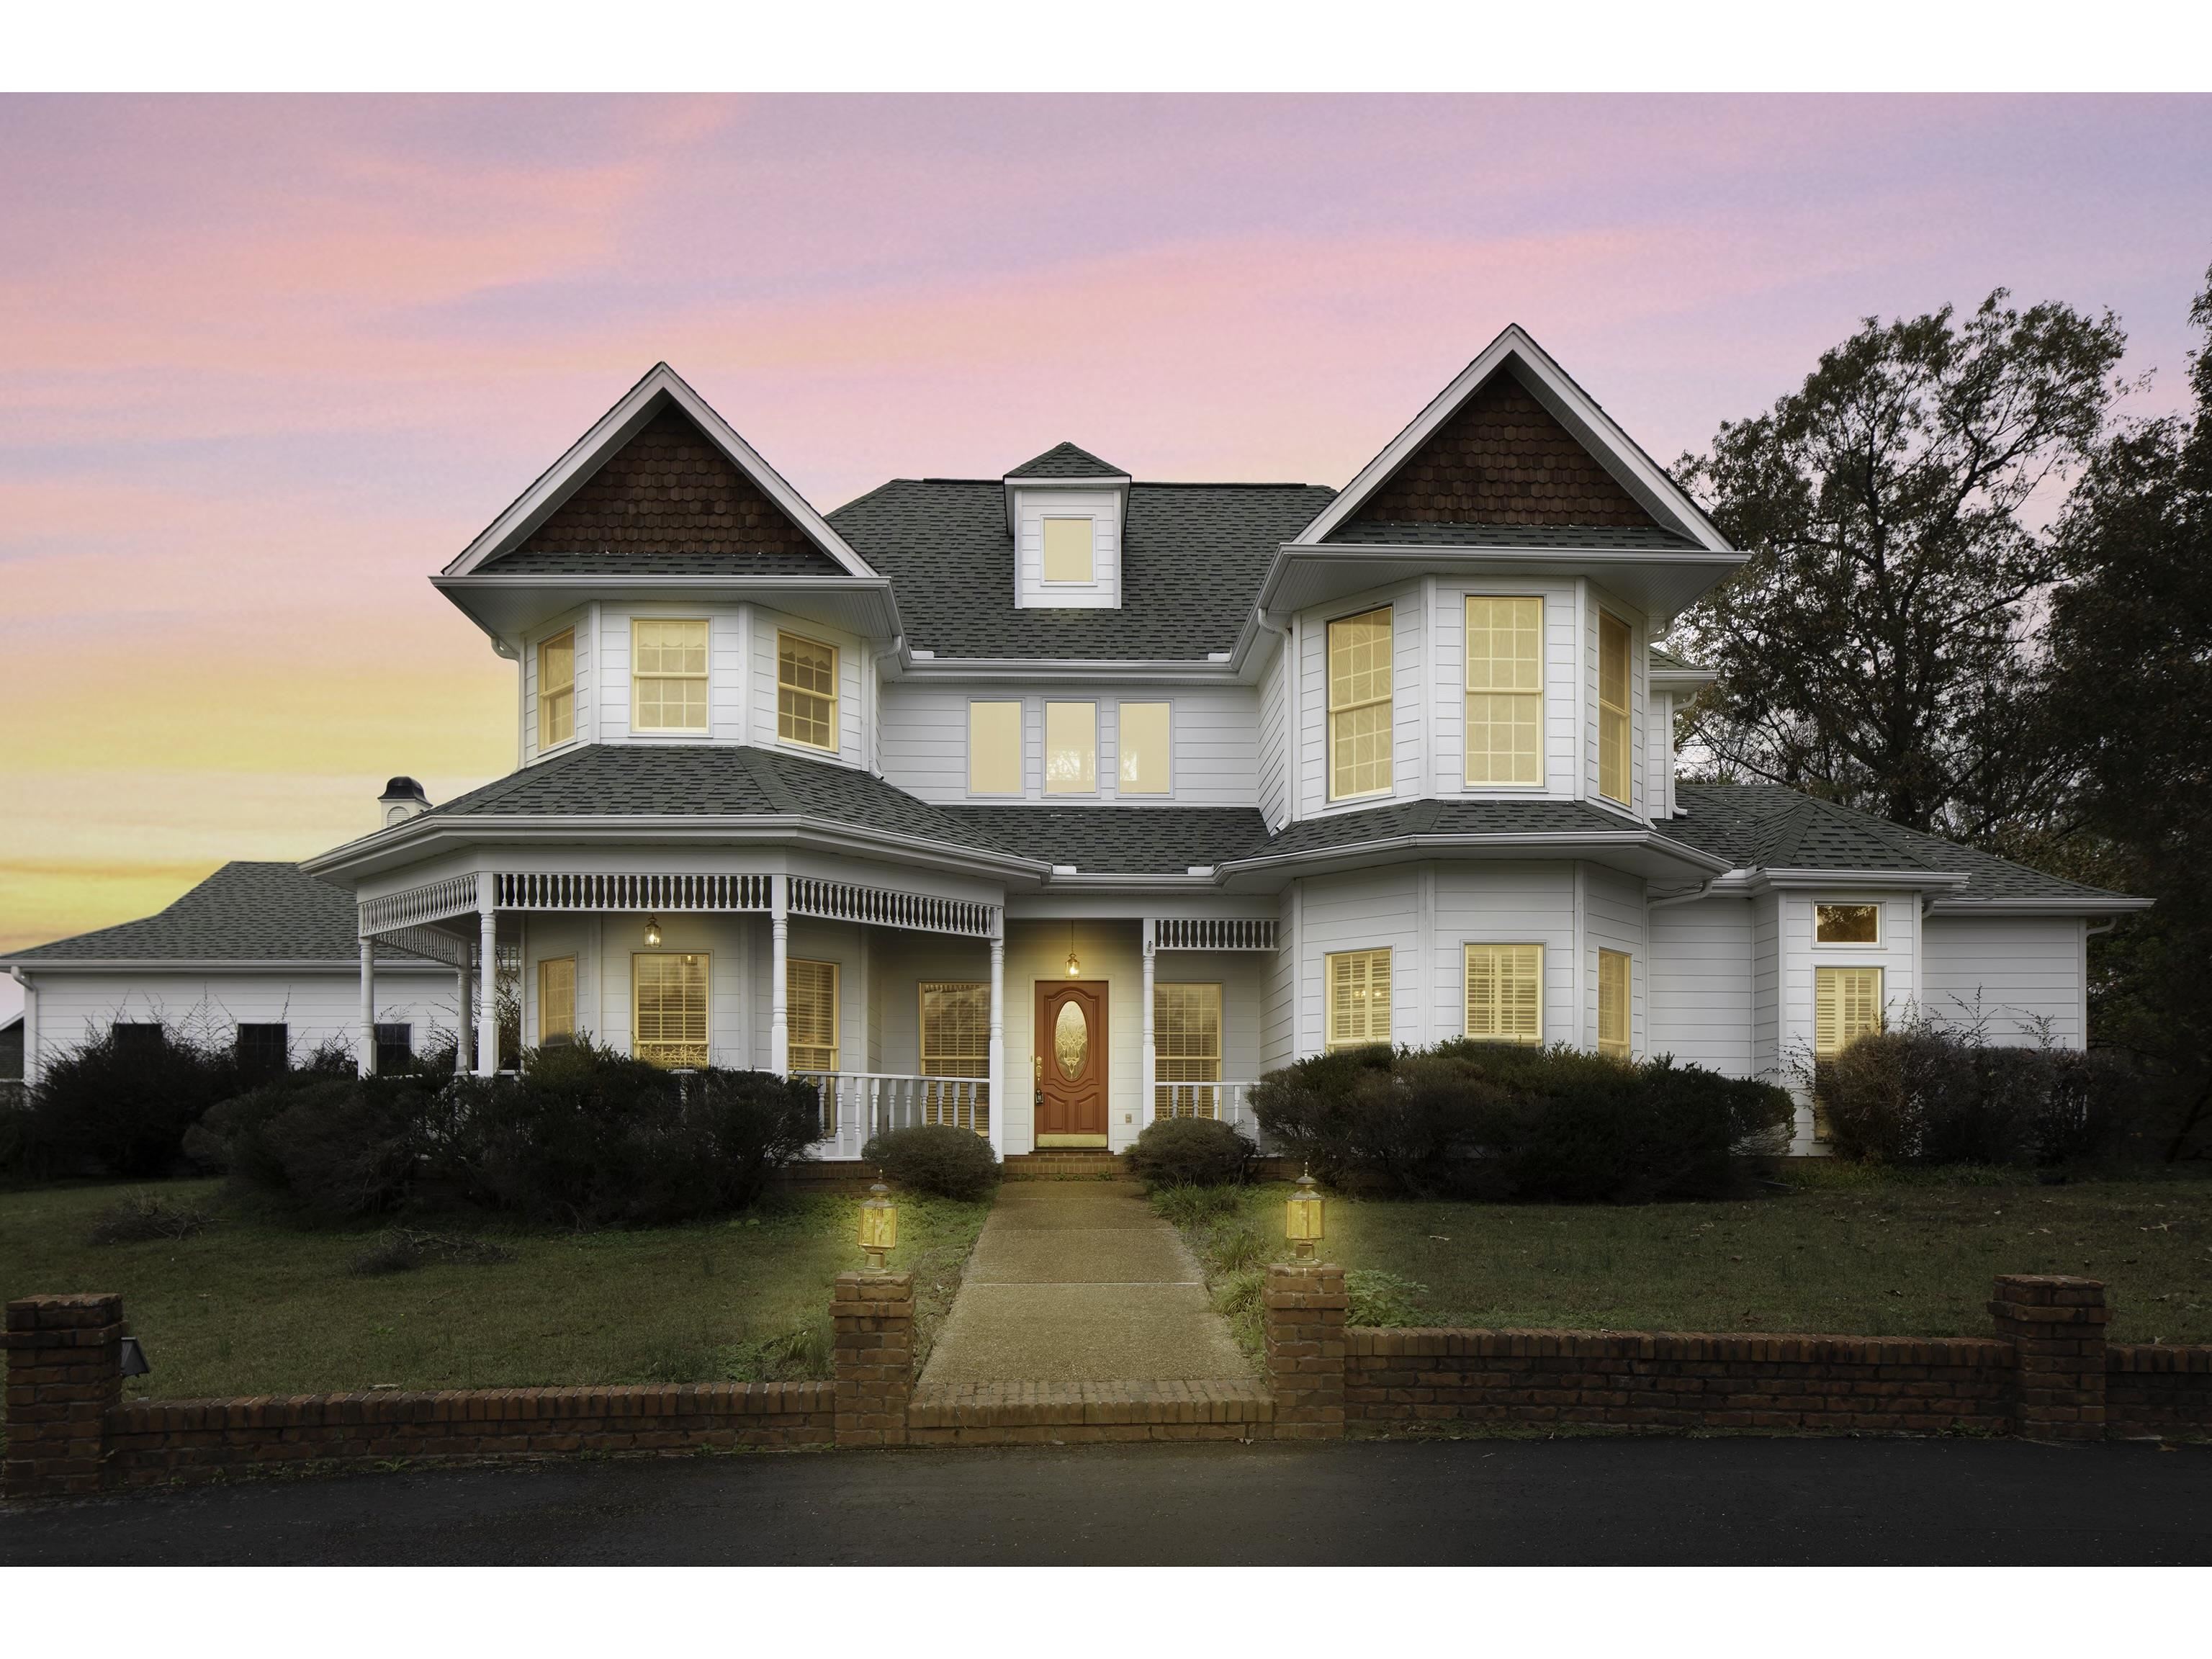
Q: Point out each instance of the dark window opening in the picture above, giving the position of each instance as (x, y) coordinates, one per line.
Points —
(395, 1047)
(141, 1038)
(263, 1051)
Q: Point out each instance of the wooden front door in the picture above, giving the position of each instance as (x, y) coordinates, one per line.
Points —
(1070, 1062)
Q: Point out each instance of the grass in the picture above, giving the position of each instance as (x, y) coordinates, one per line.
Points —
(1845, 1250)
(248, 1306)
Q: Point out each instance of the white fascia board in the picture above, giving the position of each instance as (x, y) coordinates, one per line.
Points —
(349, 966)
(506, 605)
(358, 858)
(1568, 403)
(1900, 881)
(1678, 679)
(1117, 481)
(1637, 574)
(1558, 844)
(1058, 671)
(617, 427)
(2109, 904)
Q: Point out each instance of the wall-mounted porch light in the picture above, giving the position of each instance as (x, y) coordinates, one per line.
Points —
(652, 932)
(1303, 1221)
(879, 1225)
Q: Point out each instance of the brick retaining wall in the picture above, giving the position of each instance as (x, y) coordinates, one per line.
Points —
(2158, 1391)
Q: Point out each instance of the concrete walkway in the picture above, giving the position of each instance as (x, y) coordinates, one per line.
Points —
(1080, 1282)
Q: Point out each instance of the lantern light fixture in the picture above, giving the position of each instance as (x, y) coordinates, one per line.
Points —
(1074, 962)
(652, 933)
(878, 1223)
(1302, 1217)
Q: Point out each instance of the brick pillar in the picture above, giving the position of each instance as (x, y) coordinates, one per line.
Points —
(1304, 1321)
(2057, 1328)
(874, 1316)
(64, 1375)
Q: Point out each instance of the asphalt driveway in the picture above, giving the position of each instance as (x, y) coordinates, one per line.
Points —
(1469, 1502)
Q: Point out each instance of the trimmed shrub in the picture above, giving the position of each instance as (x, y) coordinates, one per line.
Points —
(935, 1158)
(335, 1147)
(119, 1104)
(1189, 1152)
(1495, 1121)
(1927, 1096)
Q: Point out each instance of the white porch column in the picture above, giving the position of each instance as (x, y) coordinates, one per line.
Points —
(1151, 1056)
(998, 1064)
(461, 1021)
(367, 1059)
(486, 976)
(779, 981)
(31, 1022)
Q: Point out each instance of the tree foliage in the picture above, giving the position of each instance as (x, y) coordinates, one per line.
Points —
(1871, 651)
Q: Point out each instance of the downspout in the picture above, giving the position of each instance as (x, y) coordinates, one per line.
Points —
(1690, 897)
(1289, 732)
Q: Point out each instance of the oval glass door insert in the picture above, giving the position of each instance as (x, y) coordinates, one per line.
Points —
(1071, 1039)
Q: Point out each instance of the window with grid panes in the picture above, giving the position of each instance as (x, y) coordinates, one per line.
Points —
(810, 1015)
(668, 673)
(395, 1046)
(956, 1042)
(1359, 993)
(556, 690)
(263, 1051)
(806, 691)
(1613, 695)
(1505, 992)
(1360, 705)
(1613, 970)
(1186, 1049)
(557, 1000)
(669, 991)
(1505, 690)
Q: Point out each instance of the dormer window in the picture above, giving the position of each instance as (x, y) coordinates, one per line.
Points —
(668, 674)
(1070, 551)
(556, 689)
(806, 691)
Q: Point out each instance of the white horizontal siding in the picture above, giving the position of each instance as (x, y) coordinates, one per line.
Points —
(1104, 508)
(2016, 977)
(1700, 978)
(1503, 904)
(1612, 919)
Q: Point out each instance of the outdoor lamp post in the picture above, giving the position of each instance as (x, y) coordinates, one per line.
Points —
(879, 1225)
(1302, 1219)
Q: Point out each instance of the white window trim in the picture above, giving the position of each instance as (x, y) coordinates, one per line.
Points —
(575, 631)
(1543, 992)
(1044, 750)
(1878, 942)
(664, 734)
(1630, 759)
(1148, 795)
(1390, 1034)
(707, 958)
(1329, 800)
(1543, 693)
(1021, 789)
(1079, 584)
(837, 651)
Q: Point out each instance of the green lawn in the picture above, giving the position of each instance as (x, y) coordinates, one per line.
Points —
(1843, 1251)
(250, 1307)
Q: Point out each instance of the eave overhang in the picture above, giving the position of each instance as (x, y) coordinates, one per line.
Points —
(22, 965)
(507, 607)
(2102, 904)
(1645, 853)
(1660, 582)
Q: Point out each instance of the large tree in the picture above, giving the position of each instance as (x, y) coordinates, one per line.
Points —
(2131, 701)
(1873, 650)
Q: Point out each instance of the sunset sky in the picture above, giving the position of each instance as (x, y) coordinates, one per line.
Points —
(269, 363)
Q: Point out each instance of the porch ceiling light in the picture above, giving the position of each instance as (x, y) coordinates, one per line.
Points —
(1303, 1219)
(652, 932)
(879, 1225)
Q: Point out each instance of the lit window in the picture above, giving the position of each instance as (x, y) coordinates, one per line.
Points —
(1846, 1006)
(1505, 992)
(1360, 705)
(806, 691)
(1613, 1003)
(1186, 1050)
(955, 1042)
(1504, 691)
(994, 749)
(556, 690)
(557, 1000)
(1144, 748)
(1613, 745)
(1846, 924)
(1358, 998)
(810, 1015)
(671, 992)
(668, 674)
(1069, 544)
(1071, 748)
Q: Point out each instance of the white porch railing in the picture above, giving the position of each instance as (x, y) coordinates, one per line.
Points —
(857, 1105)
(1231, 1102)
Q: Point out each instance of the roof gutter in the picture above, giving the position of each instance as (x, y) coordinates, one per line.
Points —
(1558, 841)
(21, 966)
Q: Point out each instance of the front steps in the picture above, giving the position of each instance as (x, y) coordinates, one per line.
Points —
(1066, 1163)
(1086, 1414)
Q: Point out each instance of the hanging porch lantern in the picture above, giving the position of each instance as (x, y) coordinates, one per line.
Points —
(1303, 1219)
(652, 932)
(879, 1225)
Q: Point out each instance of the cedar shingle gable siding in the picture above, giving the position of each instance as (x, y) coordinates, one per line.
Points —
(1502, 460)
(669, 502)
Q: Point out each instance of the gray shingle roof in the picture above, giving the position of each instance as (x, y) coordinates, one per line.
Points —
(578, 561)
(1444, 817)
(245, 912)
(1548, 538)
(1662, 658)
(1123, 840)
(1773, 827)
(1193, 557)
(1067, 461)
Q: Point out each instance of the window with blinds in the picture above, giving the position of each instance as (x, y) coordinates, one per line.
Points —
(1071, 748)
(1186, 1050)
(556, 689)
(1505, 690)
(557, 1000)
(956, 1042)
(1070, 549)
(1505, 992)
(806, 691)
(1613, 970)
(1360, 705)
(669, 1008)
(994, 748)
(1612, 721)
(810, 1015)
(1846, 1006)
(668, 674)
(1359, 991)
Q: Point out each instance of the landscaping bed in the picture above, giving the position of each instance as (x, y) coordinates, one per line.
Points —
(1844, 1249)
(250, 1306)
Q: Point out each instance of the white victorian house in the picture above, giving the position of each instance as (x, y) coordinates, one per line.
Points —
(1049, 802)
